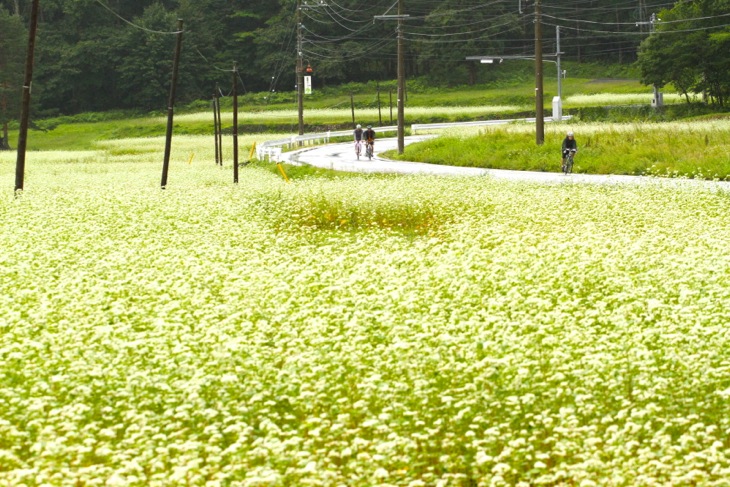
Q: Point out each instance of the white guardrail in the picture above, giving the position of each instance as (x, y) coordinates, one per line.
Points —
(272, 149)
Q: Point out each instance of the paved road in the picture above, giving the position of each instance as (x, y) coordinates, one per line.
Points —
(341, 157)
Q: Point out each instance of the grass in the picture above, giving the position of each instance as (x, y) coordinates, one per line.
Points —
(697, 149)
(330, 109)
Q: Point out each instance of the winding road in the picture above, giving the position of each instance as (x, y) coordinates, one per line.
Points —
(341, 157)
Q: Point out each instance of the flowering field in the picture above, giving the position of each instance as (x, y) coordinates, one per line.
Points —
(404, 331)
(344, 114)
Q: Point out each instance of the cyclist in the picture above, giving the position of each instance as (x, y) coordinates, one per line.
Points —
(358, 138)
(569, 144)
(370, 137)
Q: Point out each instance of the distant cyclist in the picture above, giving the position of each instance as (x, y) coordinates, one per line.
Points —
(370, 136)
(358, 140)
(569, 144)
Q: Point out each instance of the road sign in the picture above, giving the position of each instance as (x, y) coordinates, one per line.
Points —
(307, 85)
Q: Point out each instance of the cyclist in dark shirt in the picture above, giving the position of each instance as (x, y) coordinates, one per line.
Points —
(569, 144)
(370, 136)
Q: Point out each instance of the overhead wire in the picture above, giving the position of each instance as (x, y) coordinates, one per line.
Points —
(135, 25)
(658, 32)
(632, 23)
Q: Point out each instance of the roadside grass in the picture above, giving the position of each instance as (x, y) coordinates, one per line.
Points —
(295, 172)
(698, 149)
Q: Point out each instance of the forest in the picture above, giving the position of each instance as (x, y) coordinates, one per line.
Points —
(99, 55)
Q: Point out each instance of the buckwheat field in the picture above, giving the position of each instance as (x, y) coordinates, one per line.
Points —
(358, 331)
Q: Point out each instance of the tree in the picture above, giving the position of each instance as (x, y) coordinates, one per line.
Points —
(143, 60)
(453, 31)
(13, 39)
(689, 50)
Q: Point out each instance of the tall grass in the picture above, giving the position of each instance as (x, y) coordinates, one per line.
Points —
(689, 149)
(361, 204)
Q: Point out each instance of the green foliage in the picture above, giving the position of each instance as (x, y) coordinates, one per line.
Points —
(12, 55)
(88, 59)
(690, 51)
(692, 149)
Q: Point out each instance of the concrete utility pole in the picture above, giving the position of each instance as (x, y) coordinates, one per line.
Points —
(557, 59)
(642, 15)
(658, 99)
(25, 110)
(401, 73)
(539, 113)
(557, 104)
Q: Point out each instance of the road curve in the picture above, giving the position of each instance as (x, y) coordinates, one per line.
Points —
(341, 157)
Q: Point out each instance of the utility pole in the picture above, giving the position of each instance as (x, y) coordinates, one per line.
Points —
(25, 111)
(235, 122)
(642, 15)
(557, 59)
(539, 114)
(300, 69)
(215, 126)
(219, 133)
(171, 104)
(401, 73)
(658, 100)
(300, 61)
(401, 81)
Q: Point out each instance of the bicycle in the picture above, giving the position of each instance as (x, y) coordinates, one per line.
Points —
(358, 148)
(369, 150)
(568, 161)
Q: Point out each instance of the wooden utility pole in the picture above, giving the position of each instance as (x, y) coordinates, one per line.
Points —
(219, 140)
(352, 108)
(401, 81)
(215, 127)
(235, 123)
(390, 97)
(401, 73)
(539, 109)
(25, 109)
(380, 115)
(171, 104)
(300, 69)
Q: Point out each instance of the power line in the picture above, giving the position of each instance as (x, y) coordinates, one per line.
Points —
(132, 23)
(643, 34)
(634, 23)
